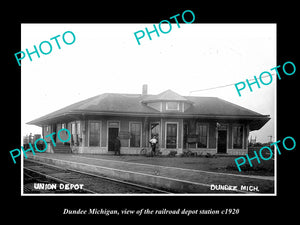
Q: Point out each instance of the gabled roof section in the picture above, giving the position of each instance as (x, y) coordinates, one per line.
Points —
(167, 95)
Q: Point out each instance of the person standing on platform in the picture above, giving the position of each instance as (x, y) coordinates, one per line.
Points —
(153, 141)
(117, 146)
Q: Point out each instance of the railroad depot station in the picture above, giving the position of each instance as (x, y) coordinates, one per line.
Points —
(180, 123)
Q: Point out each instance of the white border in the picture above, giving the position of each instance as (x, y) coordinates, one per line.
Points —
(204, 194)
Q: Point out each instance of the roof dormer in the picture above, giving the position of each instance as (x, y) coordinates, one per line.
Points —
(167, 101)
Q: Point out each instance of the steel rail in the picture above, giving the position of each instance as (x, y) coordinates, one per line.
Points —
(93, 175)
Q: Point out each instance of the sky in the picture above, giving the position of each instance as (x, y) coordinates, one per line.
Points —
(106, 58)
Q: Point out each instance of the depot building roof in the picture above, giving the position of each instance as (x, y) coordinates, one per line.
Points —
(151, 106)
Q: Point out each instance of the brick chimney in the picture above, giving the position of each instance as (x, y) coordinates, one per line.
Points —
(145, 89)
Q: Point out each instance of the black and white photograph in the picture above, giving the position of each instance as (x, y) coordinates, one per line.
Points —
(159, 116)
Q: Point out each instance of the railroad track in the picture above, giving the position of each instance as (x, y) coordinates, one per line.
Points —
(46, 178)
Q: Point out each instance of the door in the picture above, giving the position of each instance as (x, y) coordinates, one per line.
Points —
(222, 141)
(171, 136)
(112, 134)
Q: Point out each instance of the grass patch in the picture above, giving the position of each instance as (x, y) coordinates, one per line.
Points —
(247, 168)
(265, 168)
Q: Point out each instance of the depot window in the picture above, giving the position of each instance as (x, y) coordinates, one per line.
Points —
(202, 132)
(94, 133)
(237, 133)
(172, 106)
(135, 131)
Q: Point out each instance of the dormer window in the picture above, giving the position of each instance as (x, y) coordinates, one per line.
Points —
(172, 106)
(167, 101)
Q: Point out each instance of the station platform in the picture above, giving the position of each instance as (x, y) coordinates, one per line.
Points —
(177, 175)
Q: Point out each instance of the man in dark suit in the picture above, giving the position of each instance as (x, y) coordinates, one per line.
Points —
(117, 146)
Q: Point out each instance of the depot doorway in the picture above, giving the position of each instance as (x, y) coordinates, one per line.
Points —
(222, 141)
(112, 135)
(171, 135)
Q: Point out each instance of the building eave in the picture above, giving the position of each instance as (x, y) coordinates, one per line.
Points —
(255, 121)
